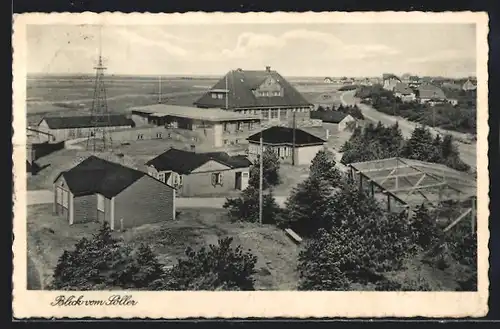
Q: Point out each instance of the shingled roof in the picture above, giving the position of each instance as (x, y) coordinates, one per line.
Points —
(428, 91)
(86, 121)
(403, 88)
(184, 162)
(241, 83)
(284, 136)
(96, 175)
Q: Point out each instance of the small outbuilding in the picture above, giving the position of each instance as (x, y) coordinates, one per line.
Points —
(100, 190)
(294, 146)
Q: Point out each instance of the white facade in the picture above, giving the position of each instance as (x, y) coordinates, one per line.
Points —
(303, 154)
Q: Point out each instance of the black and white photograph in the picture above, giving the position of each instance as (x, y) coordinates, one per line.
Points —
(251, 155)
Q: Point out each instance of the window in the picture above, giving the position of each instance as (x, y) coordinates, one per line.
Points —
(237, 141)
(239, 126)
(225, 141)
(161, 177)
(140, 136)
(214, 95)
(180, 180)
(244, 174)
(265, 114)
(158, 135)
(283, 114)
(226, 127)
(274, 114)
(220, 96)
(250, 125)
(217, 179)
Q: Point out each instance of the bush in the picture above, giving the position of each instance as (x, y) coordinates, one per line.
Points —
(218, 267)
(246, 207)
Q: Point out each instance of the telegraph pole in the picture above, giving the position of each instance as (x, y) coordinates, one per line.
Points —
(159, 89)
(293, 140)
(261, 180)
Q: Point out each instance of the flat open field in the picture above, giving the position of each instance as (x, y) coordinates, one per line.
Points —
(56, 95)
(74, 94)
(50, 235)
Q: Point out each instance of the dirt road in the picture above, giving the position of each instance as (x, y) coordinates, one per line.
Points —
(46, 196)
(467, 151)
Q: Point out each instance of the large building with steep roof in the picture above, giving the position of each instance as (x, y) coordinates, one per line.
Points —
(264, 92)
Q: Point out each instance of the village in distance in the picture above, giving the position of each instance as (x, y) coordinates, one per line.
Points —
(251, 180)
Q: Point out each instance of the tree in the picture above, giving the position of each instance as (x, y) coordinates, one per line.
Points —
(218, 267)
(323, 167)
(93, 264)
(427, 233)
(246, 207)
(143, 271)
(305, 206)
(270, 172)
(360, 243)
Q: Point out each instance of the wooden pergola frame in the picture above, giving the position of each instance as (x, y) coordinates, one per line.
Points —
(418, 187)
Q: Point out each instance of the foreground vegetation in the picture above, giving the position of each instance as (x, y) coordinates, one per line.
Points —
(379, 142)
(461, 117)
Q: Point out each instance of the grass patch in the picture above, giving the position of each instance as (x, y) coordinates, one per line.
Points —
(50, 235)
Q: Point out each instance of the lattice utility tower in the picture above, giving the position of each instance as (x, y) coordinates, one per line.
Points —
(99, 138)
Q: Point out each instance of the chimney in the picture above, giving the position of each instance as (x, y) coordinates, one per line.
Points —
(193, 147)
(268, 68)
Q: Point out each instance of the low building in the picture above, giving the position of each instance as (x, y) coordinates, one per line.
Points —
(390, 81)
(294, 146)
(100, 190)
(469, 85)
(430, 94)
(414, 81)
(71, 127)
(266, 93)
(215, 126)
(194, 173)
(404, 92)
(338, 121)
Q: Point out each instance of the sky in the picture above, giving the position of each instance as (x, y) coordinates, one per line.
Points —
(292, 49)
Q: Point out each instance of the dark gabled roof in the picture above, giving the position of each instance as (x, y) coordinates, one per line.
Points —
(96, 175)
(241, 83)
(333, 116)
(184, 162)
(403, 88)
(86, 121)
(387, 76)
(284, 136)
(428, 91)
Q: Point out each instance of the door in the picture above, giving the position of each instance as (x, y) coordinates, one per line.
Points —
(237, 181)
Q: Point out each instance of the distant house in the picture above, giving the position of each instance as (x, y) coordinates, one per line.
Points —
(71, 127)
(405, 78)
(469, 85)
(100, 190)
(452, 86)
(194, 173)
(414, 81)
(216, 127)
(264, 92)
(338, 121)
(328, 80)
(430, 94)
(404, 92)
(287, 144)
(390, 81)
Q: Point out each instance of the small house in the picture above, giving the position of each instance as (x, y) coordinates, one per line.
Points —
(337, 120)
(469, 85)
(100, 190)
(431, 94)
(71, 127)
(390, 81)
(291, 145)
(194, 173)
(404, 92)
